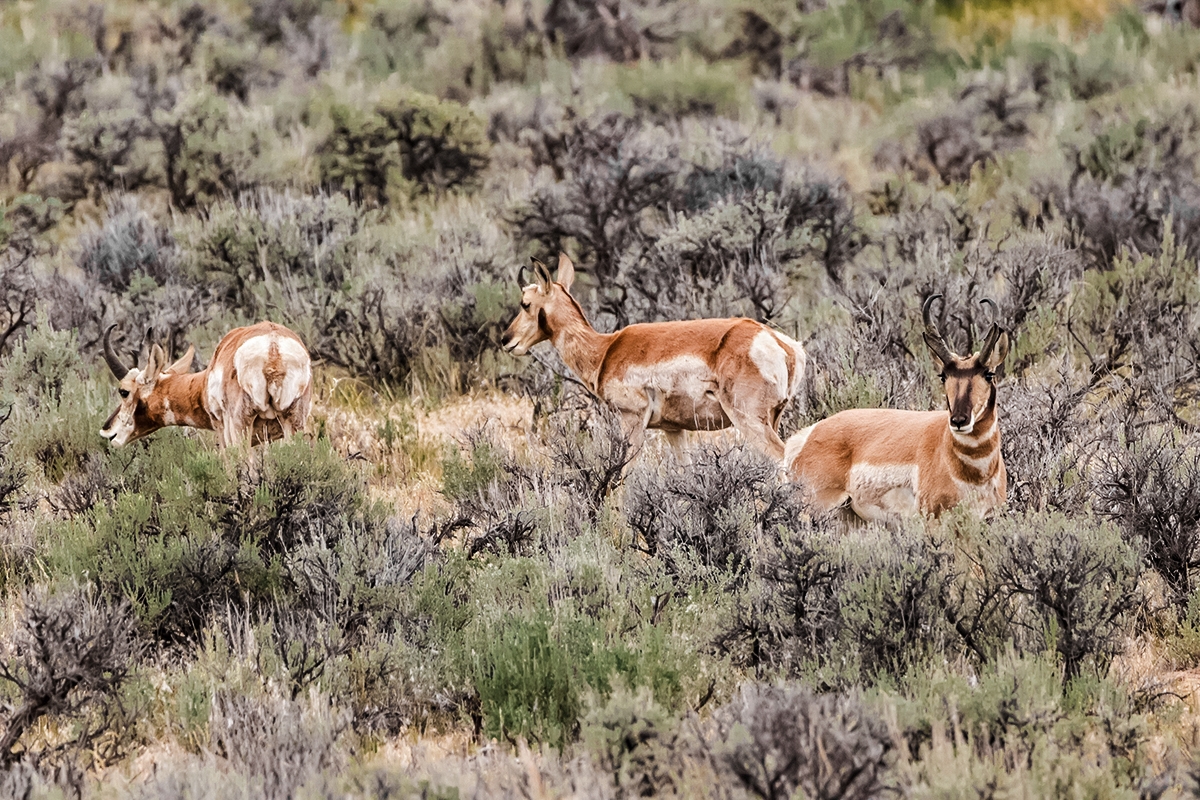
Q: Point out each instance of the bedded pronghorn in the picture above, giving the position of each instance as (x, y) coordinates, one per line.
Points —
(703, 374)
(258, 386)
(885, 462)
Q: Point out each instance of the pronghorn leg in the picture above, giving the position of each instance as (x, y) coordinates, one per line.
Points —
(754, 428)
(676, 440)
(632, 427)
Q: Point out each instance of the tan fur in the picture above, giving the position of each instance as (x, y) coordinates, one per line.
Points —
(882, 463)
(268, 399)
(672, 376)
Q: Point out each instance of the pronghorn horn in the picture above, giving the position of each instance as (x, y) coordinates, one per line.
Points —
(521, 277)
(933, 336)
(993, 335)
(114, 363)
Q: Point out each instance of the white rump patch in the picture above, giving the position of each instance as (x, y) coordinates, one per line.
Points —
(768, 355)
(251, 362)
(794, 445)
(216, 392)
(297, 376)
(801, 362)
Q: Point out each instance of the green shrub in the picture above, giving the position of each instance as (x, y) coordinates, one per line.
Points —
(526, 684)
(207, 153)
(633, 739)
(1053, 582)
(129, 245)
(180, 536)
(55, 411)
(268, 247)
(689, 85)
(891, 602)
(780, 741)
(1150, 487)
(409, 144)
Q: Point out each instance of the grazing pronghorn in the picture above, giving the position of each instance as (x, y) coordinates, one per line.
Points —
(885, 462)
(258, 386)
(694, 375)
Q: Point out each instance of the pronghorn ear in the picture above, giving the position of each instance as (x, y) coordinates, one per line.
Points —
(183, 365)
(937, 348)
(999, 351)
(154, 365)
(543, 274)
(566, 271)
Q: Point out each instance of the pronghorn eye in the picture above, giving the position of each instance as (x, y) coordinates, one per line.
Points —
(989, 376)
(524, 306)
(123, 392)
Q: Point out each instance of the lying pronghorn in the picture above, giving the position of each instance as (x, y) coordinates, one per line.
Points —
(884, 462)
(258, 386)
(704, 374)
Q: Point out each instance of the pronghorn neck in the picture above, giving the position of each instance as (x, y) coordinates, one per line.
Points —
(977, 454)
(581, 346)
(179, 400)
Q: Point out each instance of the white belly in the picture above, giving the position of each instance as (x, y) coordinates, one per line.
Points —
(883, 491)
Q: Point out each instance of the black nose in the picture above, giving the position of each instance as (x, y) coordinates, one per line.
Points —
(958, 421)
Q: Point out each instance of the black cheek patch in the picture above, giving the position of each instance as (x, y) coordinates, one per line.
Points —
(543, 324)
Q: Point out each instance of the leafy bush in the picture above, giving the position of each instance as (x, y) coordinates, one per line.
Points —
(533, 672)
(409, 144)
(54, 411)
(703, 518)
(1133, 184)
(675, 89)
(778, 741)
(181, 537)
(279, 744)
(68, 658)
(891, 602)
(632, 738)
(1150, 487)
(1066, 584)
(1124, 324)
(128, 245)
(526, 684)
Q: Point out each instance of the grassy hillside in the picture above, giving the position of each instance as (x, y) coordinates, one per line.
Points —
(462, 581)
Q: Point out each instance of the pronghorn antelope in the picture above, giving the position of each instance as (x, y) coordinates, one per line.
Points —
(258, 386)
(885, 462)
(703, 374)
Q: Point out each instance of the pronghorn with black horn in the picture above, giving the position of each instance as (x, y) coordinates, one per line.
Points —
(257, 387)
(885, 462)
(694, 375)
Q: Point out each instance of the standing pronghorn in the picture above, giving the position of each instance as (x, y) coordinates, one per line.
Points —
(884, 462)
(695, 375)
(257, 387)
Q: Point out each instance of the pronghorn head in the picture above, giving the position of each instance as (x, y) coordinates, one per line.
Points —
(138, 414)
(969, 381)
(541, 302)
